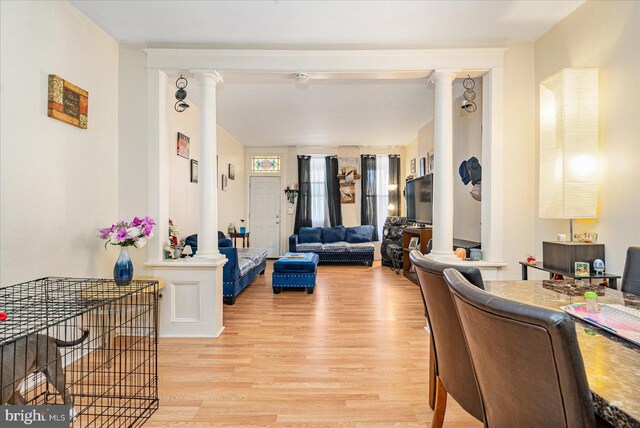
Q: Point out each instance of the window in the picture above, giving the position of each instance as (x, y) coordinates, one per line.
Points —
(318, 190)
(382, 191)
(265, 164)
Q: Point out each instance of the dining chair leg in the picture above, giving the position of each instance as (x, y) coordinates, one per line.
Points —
(432, 376)
(441, 405)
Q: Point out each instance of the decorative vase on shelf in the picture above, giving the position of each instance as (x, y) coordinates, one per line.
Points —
(123, 269)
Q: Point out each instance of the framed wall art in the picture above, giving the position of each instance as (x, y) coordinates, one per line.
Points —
(194, 171)
(183, 145)
(68, 102)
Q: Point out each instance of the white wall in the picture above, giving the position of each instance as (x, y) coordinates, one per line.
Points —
(59, 183)
(184, 206)
(232, 201)
(605, 35)
(467, 142)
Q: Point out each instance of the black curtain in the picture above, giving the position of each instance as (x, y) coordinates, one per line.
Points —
(369, 203)
(394, 180)
(303, 209)
(333, 191)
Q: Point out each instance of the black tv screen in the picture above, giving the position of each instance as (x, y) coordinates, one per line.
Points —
(419, 194)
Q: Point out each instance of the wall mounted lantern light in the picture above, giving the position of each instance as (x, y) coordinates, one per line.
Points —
(569, 145)
(468, 104)
(291, 192)
(181, 94)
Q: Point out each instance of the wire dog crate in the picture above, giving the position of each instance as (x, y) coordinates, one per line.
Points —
(86, 343)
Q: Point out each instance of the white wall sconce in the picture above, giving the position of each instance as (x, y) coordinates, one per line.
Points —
(569, 145)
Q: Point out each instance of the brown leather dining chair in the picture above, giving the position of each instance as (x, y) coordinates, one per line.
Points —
(631, 274)
(454, 374)
(526, 360)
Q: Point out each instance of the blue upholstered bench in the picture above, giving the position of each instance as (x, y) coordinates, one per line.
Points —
(291, 271)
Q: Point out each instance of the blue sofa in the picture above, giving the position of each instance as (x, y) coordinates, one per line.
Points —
(243, 266)
(335, 244)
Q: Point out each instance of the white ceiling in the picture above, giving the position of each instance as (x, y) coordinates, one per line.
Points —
(276, 112)
(268, 109)
(468, 23)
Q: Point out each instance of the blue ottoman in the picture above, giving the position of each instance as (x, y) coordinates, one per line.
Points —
(295, 270)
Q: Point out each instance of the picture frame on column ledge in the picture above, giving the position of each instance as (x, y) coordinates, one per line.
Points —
(413, 166)
(224, 182)
(430, 162)
(232, 172)
(423, 166)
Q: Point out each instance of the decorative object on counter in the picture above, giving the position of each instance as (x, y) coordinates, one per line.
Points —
(468, 104)
(187, 251)
(413, 166)
(591, 301)
(569, 143)
(572, 287)
(423, 166)
(67, 102)
(125, 235)
(581, 269)
(598, 266)
(476, 254)
(232, 172)
(561, 237)
(531, 260)
(181, 94)
(291, 192)
(242, 228)
(231, 228)
(586, 237)
(461, 252)
(183, 145)
(194, 171)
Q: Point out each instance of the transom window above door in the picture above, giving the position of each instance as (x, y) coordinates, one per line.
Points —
(263, 163)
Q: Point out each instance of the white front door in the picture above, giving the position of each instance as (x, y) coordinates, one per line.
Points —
(264, 214)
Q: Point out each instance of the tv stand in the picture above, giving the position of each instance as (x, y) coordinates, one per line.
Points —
(425, 233)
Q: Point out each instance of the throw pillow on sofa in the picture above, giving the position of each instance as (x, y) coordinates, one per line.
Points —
(309, 234)
(358, 234)
(333, 234)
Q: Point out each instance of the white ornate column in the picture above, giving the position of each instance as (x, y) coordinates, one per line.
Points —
(207, 175)
(442, 248)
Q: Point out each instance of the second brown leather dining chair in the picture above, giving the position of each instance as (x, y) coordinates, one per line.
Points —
(454, 374)
(526, 360)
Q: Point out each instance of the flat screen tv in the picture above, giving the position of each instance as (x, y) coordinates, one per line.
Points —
(419, 194)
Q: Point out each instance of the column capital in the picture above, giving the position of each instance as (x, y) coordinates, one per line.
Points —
(446, 76)
(207, 77)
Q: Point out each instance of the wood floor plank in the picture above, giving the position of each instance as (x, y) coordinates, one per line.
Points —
(354, 354)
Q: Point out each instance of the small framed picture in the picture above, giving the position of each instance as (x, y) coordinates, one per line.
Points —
(413, 166)
(224, 182)
(232, 172)
(431, 162)
(413, 243)
(581, 269)
(194, 171)
(423, 166)
(183, 145)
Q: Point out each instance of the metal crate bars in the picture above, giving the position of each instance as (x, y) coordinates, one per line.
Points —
(88, 343)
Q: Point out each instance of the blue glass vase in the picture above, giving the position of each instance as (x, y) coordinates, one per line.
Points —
(123, 269)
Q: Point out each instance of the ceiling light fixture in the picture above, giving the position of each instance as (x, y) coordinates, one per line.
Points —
(301, 79)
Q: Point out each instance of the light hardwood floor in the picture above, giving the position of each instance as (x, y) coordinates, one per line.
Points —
(353, 354)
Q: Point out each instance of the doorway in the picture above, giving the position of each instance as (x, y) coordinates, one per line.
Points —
(264, 214)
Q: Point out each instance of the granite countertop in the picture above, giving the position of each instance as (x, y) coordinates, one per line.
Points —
(612, 364)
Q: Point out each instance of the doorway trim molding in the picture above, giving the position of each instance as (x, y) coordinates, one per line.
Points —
(485, 62)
